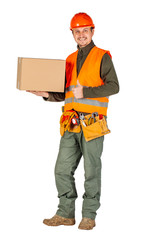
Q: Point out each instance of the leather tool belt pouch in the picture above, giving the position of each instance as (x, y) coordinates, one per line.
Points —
(94, 129)
(66, 122)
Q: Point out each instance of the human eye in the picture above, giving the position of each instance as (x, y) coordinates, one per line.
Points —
(85, 30)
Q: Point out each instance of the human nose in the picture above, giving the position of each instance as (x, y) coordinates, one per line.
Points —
(81, 34)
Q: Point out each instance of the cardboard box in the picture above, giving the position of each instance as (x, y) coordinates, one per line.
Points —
(41, 74)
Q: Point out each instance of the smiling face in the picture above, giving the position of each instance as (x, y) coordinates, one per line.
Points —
(83, 36)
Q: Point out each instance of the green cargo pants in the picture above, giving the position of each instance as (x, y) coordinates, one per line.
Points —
(72, 147)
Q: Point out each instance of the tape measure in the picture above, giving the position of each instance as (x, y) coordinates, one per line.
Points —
(75, 121)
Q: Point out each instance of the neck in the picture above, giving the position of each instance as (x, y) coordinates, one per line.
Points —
(84, 46)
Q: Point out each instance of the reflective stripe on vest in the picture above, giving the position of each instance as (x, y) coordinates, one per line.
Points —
(87, 101)
(89, 76)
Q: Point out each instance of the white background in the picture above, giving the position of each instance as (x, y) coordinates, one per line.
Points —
(29, 126)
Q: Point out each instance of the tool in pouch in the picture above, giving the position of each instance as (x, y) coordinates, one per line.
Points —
(94, 125)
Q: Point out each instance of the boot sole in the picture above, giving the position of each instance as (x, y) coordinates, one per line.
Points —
(60, 224)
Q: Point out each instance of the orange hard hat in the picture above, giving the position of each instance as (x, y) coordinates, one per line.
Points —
(81, 20)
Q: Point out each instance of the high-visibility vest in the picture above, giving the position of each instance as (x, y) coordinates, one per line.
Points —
(89, 76)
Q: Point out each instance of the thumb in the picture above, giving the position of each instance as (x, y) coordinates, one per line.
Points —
(78, 83)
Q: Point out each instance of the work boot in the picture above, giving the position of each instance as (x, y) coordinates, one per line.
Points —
(58, 220)
(87, 224)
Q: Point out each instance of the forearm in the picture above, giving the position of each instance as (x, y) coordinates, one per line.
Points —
(105, 90)
(55, 97)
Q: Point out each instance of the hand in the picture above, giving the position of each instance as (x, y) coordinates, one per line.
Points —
(40, 93)
(78, 91)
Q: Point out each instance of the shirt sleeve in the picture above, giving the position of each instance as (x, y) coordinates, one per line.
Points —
(109, 77)
(55, 97)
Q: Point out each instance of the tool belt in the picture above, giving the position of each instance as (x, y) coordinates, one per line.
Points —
(93, 125)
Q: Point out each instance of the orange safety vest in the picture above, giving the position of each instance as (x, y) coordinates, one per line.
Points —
(89, 76)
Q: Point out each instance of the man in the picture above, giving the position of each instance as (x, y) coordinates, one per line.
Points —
(90, 80)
